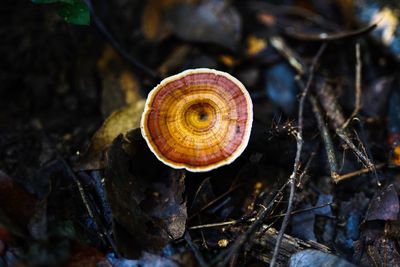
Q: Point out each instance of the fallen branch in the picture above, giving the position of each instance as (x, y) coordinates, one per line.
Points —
(357, 95)
(333, 111)
(299, 144)
(265, 240)
(326, 138)
(359, 172)
(224, 257)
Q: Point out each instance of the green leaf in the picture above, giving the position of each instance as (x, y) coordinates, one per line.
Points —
(75, 12)
(72, 11)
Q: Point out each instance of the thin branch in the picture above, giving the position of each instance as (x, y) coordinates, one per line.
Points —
(358, 172)
(266, 239)
(333, 111)
(211, 225)
(363, 158)
(293, 59)
(300, 182)
(302, 210)
(326, 138)
(224, 257)
(99, 225)
(232, 222)
(299, 143)
(357, 101)
(212, 202)
(329, 37)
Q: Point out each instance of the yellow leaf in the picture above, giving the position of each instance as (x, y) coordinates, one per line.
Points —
(119, 122)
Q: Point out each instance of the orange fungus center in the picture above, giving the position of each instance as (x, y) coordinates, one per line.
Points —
(198, 120)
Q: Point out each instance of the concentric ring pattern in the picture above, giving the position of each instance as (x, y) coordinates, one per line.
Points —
(199, 119)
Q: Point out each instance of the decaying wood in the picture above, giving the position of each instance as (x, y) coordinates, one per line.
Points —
(265, 240)
(326, 137)
(329, 103)
(299, 146)
(334, 113)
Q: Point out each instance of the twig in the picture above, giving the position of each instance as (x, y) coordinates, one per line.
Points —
(266, 239)
(357, 101)
(103, 29)
(344, 136)
(300, 182)
(326, 138)
(302, 210)
(102, 233)
(232, 222)
(214, 201)
(328, 37)
(334, 113)
(329, 103)
(224, 257)
(211, 225)
(358, 172)
(293, 59)
(299, 144)
(367, 149)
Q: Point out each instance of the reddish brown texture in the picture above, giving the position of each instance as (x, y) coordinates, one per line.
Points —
(199, 119)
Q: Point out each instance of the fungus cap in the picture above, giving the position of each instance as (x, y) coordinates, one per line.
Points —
(199, 119)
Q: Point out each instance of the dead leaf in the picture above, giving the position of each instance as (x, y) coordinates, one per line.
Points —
(384, 206)
(122, 103)
(119, 122)
(209, 21)
(145, 197)
(377, 251)
(153, 25)
(119, 90)
(120, 86)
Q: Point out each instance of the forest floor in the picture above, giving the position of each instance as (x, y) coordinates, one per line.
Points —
(317, 184)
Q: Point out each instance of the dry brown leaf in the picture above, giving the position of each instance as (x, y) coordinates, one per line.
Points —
(119, 122)
(146, 197)
(120, 85)
(154, 27)
(122, 105)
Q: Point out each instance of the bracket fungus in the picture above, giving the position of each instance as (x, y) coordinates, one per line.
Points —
(199, 119)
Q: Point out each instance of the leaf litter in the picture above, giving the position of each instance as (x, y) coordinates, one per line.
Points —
(117, 205)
